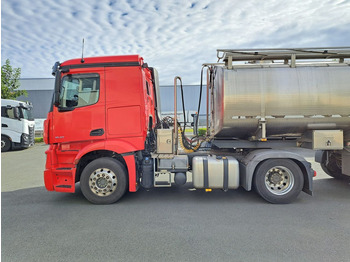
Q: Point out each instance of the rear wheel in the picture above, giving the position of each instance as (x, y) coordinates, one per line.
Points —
(5, 144)
(333, 166)
(104, 181)
(278, 181)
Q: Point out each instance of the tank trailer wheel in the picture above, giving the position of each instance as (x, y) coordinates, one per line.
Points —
(333, 167)
(278, 181)
(104, 181)
(5, 144)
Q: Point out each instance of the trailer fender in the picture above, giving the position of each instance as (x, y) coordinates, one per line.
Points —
(249, 163)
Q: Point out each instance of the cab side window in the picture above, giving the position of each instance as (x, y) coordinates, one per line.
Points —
(79, 90)
(8, 112)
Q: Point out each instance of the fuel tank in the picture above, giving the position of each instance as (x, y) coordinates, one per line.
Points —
(289, 100)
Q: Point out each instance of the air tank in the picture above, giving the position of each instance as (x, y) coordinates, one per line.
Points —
(289, 100)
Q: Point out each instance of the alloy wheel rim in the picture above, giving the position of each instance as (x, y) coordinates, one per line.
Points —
(279, 180)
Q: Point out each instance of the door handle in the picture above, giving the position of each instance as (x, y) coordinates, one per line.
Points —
(97, 132)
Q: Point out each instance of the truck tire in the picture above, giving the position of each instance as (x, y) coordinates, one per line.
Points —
(104, 181)
(333, 167)
(5, 144)
(278, 181)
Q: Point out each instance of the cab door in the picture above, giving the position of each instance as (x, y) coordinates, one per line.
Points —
(80, 113)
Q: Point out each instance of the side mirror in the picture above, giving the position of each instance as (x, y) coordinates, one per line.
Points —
(55, 68)
(57, 88)
(16, 113)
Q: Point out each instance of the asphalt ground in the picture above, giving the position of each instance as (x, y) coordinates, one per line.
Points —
(167, 224)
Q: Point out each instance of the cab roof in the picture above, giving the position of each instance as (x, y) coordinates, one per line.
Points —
(104, 60)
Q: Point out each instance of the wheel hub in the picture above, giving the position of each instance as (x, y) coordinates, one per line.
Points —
(103, 182)
(279, 180)
(276, 177)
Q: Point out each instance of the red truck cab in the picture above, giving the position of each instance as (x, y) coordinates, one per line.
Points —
(103, 108)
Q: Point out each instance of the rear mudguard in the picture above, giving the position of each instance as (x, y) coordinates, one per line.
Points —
(249, 163)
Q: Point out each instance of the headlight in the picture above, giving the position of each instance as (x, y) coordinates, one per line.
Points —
(25, 137)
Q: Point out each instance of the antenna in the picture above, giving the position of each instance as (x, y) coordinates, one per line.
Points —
(82, 53)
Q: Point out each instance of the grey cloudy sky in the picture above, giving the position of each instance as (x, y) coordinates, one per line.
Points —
(174, 36)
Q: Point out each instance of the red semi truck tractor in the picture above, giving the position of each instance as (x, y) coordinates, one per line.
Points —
(105, 128)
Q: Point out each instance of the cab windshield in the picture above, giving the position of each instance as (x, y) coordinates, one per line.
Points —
(26, 113)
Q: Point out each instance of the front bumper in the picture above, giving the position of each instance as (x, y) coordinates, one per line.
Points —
(26, 141)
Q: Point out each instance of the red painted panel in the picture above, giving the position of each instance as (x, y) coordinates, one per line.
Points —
(125, 102)
(124, 121)
(47, 125)
(130, 162)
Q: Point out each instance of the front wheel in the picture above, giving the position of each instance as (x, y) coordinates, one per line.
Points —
(278, 181)
(104, 181)
(5, 144)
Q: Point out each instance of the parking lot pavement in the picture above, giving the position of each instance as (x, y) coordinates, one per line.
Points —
(177, 224)
(23, 168)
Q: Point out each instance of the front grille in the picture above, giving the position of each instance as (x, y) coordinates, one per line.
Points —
(31, 135)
